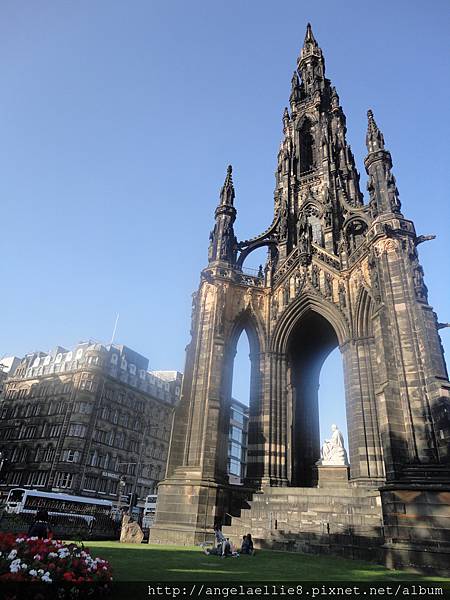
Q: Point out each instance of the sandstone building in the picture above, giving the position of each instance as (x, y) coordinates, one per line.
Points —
(77, 421)
(341, 272)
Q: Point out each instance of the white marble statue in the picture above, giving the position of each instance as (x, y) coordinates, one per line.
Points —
(333, 450)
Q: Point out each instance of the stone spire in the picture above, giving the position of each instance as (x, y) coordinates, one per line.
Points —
(227, 192)
(374, 137)
(381, 183)
(311, 64)
(222, 241)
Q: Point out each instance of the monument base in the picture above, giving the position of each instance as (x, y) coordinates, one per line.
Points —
(188, 509)
(332, 475)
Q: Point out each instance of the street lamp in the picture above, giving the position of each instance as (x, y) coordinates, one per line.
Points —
(120, 487)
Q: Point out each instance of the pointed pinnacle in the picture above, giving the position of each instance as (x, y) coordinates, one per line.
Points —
(229, 178)
(374, 138)
(309, 36)
(227, 192)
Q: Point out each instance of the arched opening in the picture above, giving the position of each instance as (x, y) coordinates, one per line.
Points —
(244, 402)
(255, 261)
(242, 370)
(306, 140)
(311, 341)
(332, 396)
(239, 412)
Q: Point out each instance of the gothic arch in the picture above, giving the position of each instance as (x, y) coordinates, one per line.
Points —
(247, 320)
(291, 316)
(251, 247)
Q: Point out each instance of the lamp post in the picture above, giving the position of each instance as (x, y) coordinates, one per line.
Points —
(120, 487)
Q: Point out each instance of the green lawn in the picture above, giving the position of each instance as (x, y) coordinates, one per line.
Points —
(144, 562)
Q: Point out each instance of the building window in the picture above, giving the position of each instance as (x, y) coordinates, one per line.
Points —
(236, 434)
(84, 408)
(37, 478)
(63, 480)
(72, 456)
(29, 432)
(55, 430)
(103, 486)
(37, 454)
(119, 440)
(235, 467)
(93, 459)
(90, 483)
(235, 450)
(237, 416)
(49, 454)
(15, 478)
(77, 430)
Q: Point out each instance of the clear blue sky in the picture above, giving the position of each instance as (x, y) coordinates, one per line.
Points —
(117, 121)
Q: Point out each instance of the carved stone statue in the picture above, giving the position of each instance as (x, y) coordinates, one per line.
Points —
(333, 451)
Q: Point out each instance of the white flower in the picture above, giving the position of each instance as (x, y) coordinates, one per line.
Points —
(33, 572)
(18, 540)
(14, 567)
(12, 554)
(35, 537)
(46, 577)
(37, 557)
(52, 554)
(24, 566)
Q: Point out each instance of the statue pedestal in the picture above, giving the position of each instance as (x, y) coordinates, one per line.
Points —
(332, 475)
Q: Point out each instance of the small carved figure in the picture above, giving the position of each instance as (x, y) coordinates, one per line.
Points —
(260, 272)
(193, 311)
(220, 310)
(274, 306)
(283, 222)
(297, 282)
(328, 216)
(419, 284)
(315, 276)
(374, 277)
(286, 295)
(342, 298)
(328, 285)
(211, 243)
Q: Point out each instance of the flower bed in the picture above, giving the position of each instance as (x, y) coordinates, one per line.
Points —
(51, 564)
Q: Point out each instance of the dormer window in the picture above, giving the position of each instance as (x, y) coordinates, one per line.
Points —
(69, 356)
(114, 359)
(79, 353)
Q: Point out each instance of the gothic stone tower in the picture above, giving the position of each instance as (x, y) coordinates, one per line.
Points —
(340, 272)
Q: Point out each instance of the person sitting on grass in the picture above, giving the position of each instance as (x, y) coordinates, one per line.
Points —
(247, 545)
